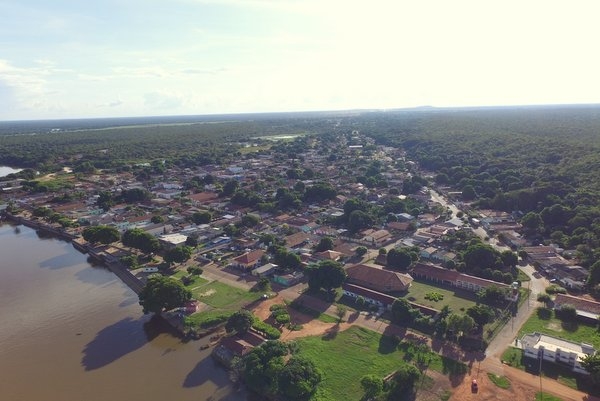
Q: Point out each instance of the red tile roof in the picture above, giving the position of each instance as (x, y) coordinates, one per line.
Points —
(578, 303)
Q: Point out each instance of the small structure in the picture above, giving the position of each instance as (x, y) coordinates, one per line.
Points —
(264, 270)
(288, 280)
(171, 241)
(237, 345)
(556, 350)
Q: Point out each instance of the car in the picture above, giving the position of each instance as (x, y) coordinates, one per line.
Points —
(474, 386)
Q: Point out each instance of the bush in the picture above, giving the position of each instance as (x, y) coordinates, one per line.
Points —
(269, 331)
(434, 296)
(282, 318)
(276, 307)
(555, 289)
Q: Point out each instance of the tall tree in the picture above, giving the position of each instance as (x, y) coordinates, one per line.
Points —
(240, 321)
(163, 293)
(298, 379)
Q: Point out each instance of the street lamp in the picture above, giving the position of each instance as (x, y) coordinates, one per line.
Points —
(541, 355)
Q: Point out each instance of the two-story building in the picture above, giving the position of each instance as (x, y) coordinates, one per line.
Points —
(556, 350)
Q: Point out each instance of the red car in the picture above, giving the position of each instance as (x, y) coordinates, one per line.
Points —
(474, 386)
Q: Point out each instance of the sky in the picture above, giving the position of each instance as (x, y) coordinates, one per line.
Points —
(119, 58)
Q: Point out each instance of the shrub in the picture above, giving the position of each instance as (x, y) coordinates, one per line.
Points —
(556, 289)
(434, 296)
(282, 318)
(269, 331)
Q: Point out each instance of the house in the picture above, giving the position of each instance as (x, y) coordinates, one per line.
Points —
(377, 279)
(552, 349)
(171, 241)
(585, 308)
(235, 346)
(264, 270)
(248, 260)
(328, 255)
(203, 198)
(287, 280)
(376, 238)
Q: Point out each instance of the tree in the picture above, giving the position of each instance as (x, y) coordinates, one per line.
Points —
(163, 293)
(544, 298)
(195, 270)
(101, 234)
(201, 217)
(509, 258)
(492, 294)
(468, 192)
(591, 363)
(532, 221)
(328, 275)
(399, 258)
(460, 324)
(481, 256)
(404, 381)
(481, 314)
(240, 321)
(325, 244)
(179, 254)
(359, 220)
(298, 379)
(229, 188)
(566, 313)
(402, 312)
(250, 220)
(372, 385)
(361, 251)
(341, 312)
(140, 239)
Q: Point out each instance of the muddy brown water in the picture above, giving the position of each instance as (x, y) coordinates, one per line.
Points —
(71, 331)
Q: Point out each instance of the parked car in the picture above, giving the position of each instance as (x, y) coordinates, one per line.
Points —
(474, 386)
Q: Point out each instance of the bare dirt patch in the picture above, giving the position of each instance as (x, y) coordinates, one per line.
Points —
(487, 390)
(310, 326)
(207, 293)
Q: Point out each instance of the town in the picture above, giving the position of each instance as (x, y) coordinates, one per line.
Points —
(329, 235)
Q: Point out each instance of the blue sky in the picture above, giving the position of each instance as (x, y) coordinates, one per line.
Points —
(104, 58)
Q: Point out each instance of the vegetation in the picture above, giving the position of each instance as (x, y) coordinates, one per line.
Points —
(163, 293)
(500, 381)
(101, 234)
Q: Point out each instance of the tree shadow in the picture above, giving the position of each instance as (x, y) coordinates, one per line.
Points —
(115, 341)
(353, 316)
(197, 376)
(331, 333)
(68, 259)
(569, 326)
(544, 313)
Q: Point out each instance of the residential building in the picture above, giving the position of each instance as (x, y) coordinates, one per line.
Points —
(556, 350)
(248, 260)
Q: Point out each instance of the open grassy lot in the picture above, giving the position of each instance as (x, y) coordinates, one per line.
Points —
(457, 300)
(546, 323)
(196, 280)
(221, 296)
(346, 357)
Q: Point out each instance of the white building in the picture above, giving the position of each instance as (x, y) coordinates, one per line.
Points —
(556, 350)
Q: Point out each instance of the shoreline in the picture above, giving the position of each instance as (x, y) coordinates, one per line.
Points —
(115, 266)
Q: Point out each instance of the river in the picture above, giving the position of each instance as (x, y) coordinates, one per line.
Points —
(4, 171)
(71, 331)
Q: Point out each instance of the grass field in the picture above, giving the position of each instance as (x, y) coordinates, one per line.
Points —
(500, 381)
(546, 397)
(576, 332)
(346, 357)
(221, 296)
(196, 280)
(456, 299)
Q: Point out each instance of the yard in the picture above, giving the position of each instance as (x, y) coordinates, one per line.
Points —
(222, 300)
(458, 300)
(346, 357)
(546, 323)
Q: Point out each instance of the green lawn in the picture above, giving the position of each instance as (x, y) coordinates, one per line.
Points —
(546, 397)
(346, 357)
(576, 332)
(457, 300)
(197, 280)
(500, 381)
(219, 295)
